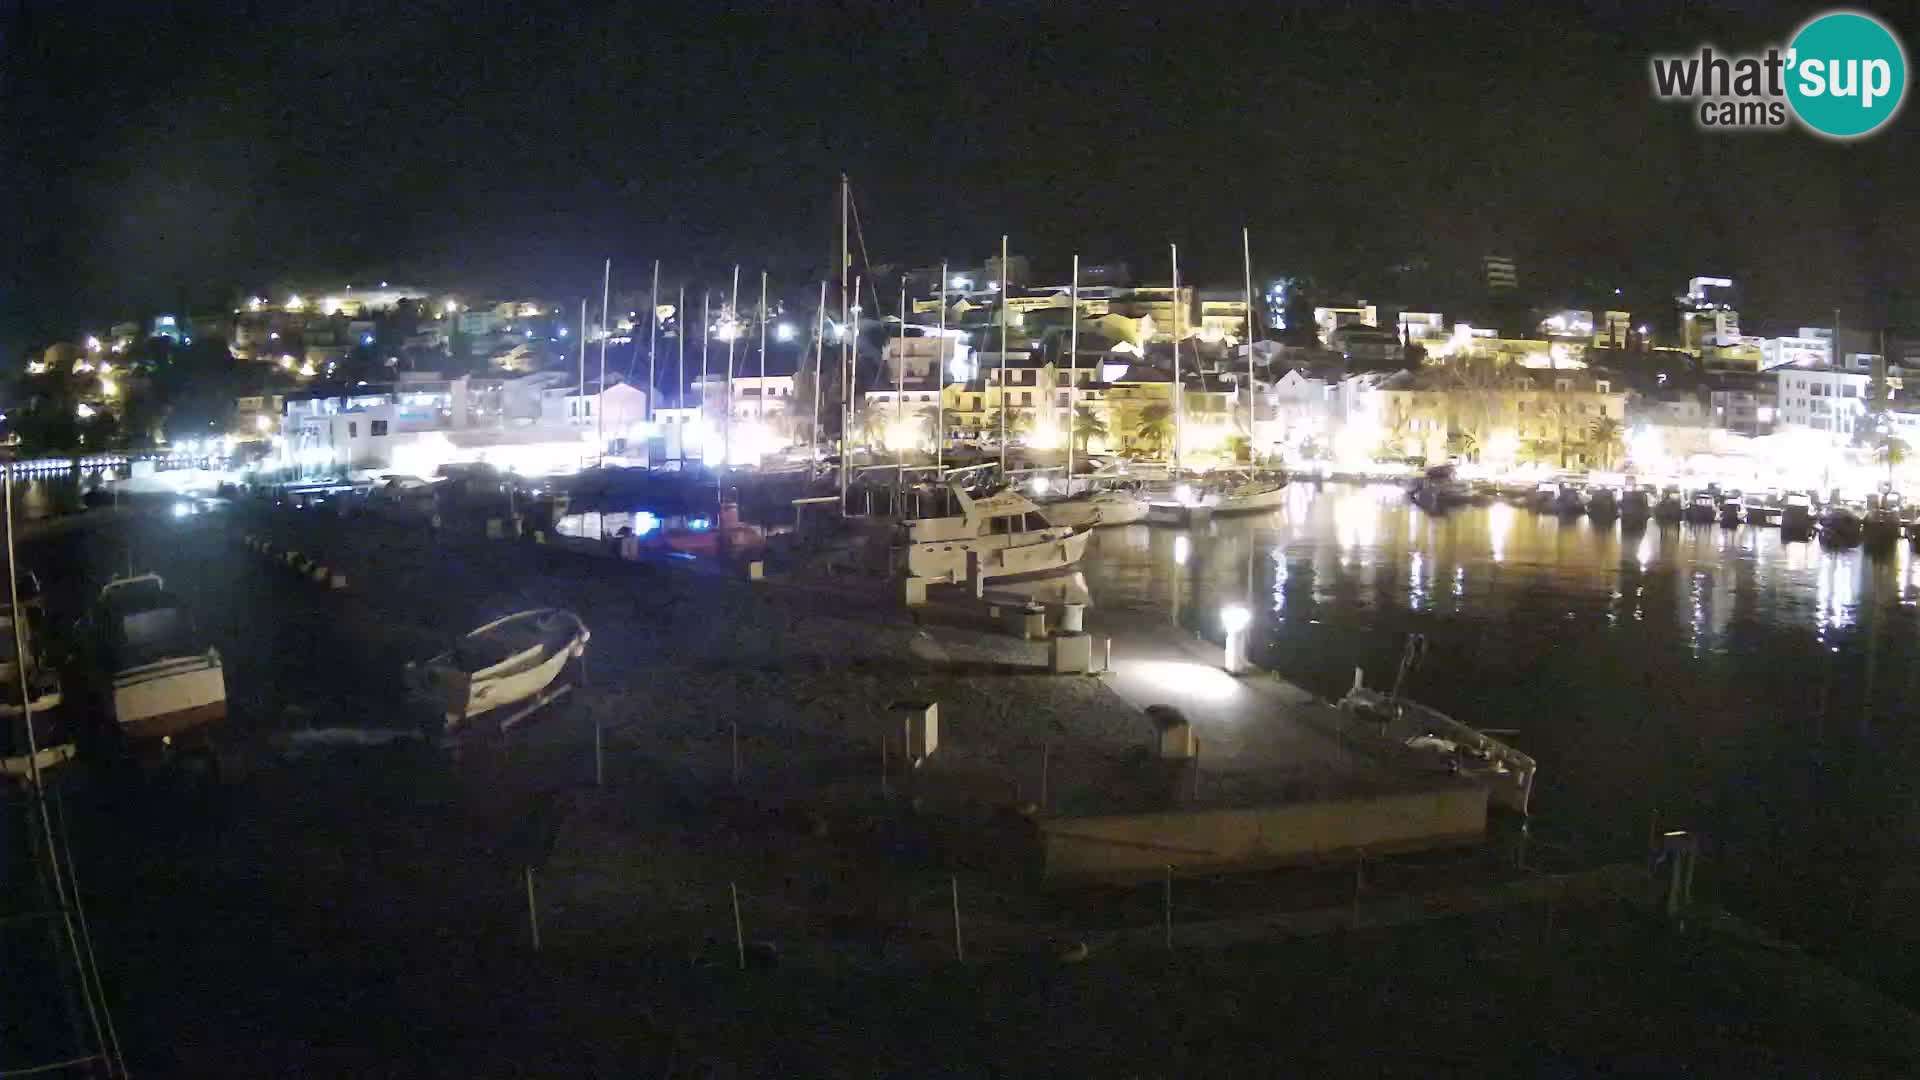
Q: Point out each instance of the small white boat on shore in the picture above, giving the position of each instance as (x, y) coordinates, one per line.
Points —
(167, 679)
(52, 740)
(507, 662)
(1240, 494)
(1006, 531)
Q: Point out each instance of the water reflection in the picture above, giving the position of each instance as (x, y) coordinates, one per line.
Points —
(1699, 672)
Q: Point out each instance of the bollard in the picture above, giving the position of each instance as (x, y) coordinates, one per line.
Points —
(756, 571)
(916, 592)
(339, 581)
(495, 529)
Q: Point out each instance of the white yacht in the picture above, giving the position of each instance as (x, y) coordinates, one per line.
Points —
(1095, 508)
(1008, 532)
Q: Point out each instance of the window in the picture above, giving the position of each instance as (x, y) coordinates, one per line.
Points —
(586, 408)
(377, 428)
(1034, 522)
(1848, 391)
(353, 429)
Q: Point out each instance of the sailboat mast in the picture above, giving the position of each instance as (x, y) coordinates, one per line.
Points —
(1004, 396)
(763, 355)
(582, 391)
(726, 430)
(1246, 267)
(606, 331)
(680, 386)
(940, 381)
(706, 335)
(819, 372)
(846, 380)
(1073, 366)
(653, 325)
(900, 406)
(1179, 392)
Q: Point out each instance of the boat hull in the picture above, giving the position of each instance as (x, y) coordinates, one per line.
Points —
(463, 695)
(1059, 549)
(170, 697)
(1095, 513)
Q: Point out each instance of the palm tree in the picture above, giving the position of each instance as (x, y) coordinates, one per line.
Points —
(1017, 423)
(1087, 426)
(872, 420)
(930, 417)
(1540, 451)
(1155, 427)
(1605, 435)
(1463, 444)
(1892, 451)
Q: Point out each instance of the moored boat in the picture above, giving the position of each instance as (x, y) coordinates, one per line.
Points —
(1096, 508)
(1840, 525)
(1603, 504)
(1882, 526)
(1636, 506)
(1703, 507)
(1671, 507)
(51, 741)
(165, 678)
(1732, 511)
(506, 662)
(1796, 516)
(1006, 532)
(1440, 489)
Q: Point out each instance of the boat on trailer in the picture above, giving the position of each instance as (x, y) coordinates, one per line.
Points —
(512, 661)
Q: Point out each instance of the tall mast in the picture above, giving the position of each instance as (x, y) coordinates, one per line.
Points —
(653, 325)
(846, 381)
(1073, 368)
(1179, 392)
(900, 405)
(940, 381)
(726, 430)
(680, 386)
(606, 331)
(1246, 266)
(706, 335)
(763, 360)
(1004, 396)
(819, 372)
(583, 352)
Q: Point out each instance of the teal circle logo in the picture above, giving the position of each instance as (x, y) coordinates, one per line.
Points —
(1847, 74)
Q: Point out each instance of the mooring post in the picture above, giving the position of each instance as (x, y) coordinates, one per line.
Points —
(959, 947)
(739, 935)
(533, 911)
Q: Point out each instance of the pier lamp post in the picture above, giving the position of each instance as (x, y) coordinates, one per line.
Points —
(1234, 618)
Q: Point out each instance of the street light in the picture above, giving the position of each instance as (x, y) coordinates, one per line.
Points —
(1234, 619)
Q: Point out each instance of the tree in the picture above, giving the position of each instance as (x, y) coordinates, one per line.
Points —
(1088, 425)
(1605, 436)
(1154, 427)
(1891, 451)
(931, 418)
(870, 423)
(1463, 444)
(1017, 423)
(1540, 452)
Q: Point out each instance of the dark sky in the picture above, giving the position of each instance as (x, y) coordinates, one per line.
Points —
(166, 154)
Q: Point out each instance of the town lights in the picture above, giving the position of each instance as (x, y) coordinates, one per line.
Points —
(93, 344)
(294, 303)
(783, 332)
(255, 303)
(261, 424)
(286, 363)
(108, 389)
(961, 282)
(84, 411)
(1234, 619)
(449, 307)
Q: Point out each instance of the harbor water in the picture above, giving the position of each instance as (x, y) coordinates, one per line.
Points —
(1760, 693)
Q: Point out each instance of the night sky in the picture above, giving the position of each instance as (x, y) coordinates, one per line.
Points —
(168, 161)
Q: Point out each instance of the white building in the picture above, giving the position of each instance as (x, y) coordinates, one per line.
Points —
(1812, 347)
(1823, 400)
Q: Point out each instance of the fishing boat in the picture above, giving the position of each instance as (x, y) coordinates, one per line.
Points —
(1840, 525)
(1006, 533)
(52, 739)
(1732, 510)
(1440, 489)
(1636, 506)
(507, 662)
(1603, 504)
(1442, 741)
(1796, 516)
(1882, 526)
(1096, 508)
(1671, 506)
(166, 678)
(1568, 500)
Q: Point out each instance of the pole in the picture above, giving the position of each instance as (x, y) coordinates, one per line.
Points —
(599, 763)
(819, 373)
(739, 934)
(680, 385)
(1004, 396)
(726, 428)
(706, 328)
(1046, 755)
(900, 408)
(940, 406)
(1073, 368)
(606, 331)
(1179, 392)
(735, 745)
(533, 911)
(959, 947)
(1246, 266)
(763, 352)
(852, 373)
(33, 768)
(846, 385)
(1166, 906)
(653, 326)
(583, 349)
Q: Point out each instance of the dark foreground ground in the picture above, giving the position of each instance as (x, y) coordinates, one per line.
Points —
(361, 911)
